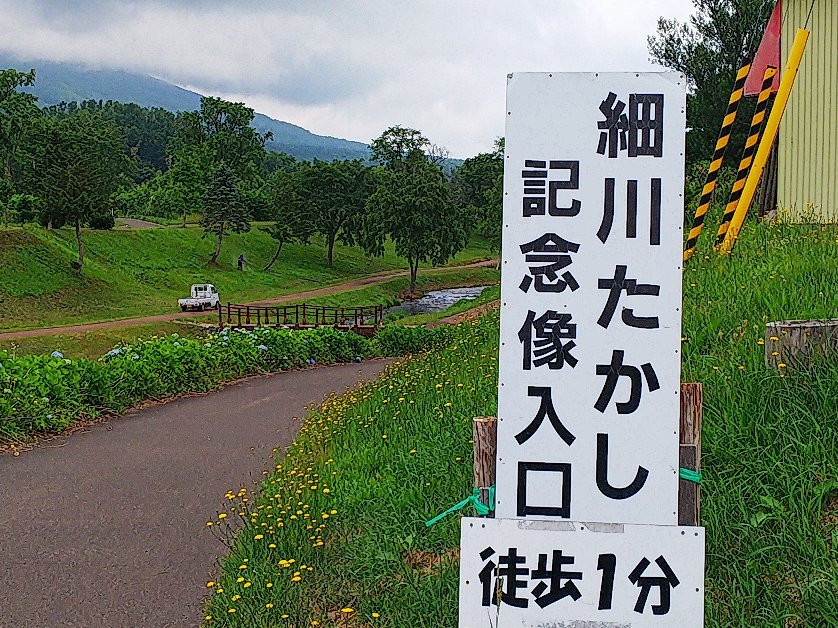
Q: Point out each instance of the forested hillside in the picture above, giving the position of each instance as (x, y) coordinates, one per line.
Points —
(60, 82)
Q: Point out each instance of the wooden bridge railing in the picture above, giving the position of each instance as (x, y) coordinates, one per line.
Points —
(363, 318)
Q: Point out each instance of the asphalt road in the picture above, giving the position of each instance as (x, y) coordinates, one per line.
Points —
(108, 527)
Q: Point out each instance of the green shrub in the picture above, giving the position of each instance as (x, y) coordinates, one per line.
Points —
(47, 393)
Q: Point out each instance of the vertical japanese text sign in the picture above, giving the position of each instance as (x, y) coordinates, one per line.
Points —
(591, 297)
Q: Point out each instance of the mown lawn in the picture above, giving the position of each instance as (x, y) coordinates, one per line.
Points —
(336, 536)
(131, 273)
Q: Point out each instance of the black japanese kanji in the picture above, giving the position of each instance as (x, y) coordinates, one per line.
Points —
(514, 574)
(552, 343)
(641, 131)
(541, 195)
(664, 583)
(614, 127)
(645, 125)
(556, 590)
(617, 369)
(616, 285)
(546, 409)
(546, 256)
(562, 485)
(631, 211)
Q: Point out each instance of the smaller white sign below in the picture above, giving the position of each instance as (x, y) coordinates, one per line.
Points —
(563, 574)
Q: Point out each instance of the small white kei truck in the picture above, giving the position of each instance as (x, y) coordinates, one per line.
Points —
(203, 296)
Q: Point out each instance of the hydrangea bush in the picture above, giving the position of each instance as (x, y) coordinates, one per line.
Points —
(46, 393)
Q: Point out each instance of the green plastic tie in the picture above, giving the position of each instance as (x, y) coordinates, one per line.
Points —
(474, 499)
(690, 475)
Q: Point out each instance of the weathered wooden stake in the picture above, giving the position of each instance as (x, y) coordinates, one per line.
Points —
(689, 493)
(793, 344)
(485, 454)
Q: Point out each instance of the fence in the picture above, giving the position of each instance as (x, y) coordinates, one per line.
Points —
(364, 319)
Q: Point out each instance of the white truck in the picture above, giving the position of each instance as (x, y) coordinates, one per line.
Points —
(203, 296)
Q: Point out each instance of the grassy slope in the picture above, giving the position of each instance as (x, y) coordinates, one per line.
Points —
(383, 459)
(95, 343)
(142, 272)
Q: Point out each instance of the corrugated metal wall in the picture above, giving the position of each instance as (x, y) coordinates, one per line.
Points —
(807, 187)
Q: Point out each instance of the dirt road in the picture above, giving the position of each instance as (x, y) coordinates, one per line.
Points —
(319, 292)
(108, 527)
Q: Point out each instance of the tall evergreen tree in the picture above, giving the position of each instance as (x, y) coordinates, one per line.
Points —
(223, 209)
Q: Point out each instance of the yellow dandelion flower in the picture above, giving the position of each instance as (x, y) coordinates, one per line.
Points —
(239, 579)
(210, 584)
(347, 610)
(231, 610)
(376, 615)
(269, 605)
(222, 515)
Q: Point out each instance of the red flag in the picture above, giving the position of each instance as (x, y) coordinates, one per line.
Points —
(767, 54)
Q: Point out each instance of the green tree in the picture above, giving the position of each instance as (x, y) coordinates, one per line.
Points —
(335, 194)
(223, 128)
(80, 164)
(224, 212)
(291, 219)
(477, 183)
(709, 48)
(414, 206)
(396, 145)
(16, 111)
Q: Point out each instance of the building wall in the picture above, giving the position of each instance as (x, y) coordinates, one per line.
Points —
(807, 186)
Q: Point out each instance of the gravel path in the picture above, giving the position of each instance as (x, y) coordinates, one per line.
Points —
(319, 292)
(108, 527)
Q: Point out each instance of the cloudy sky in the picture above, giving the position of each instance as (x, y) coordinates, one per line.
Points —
(344, 68)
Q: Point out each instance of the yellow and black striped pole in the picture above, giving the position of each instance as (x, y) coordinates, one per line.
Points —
(718, 157)
(748, 153)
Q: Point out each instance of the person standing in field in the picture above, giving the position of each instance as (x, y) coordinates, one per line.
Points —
(241, 262)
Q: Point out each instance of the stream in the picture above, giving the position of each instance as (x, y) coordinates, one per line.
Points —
(436, 301)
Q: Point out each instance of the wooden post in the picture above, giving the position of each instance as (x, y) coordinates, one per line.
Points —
(794, 343)
(690, 452)
(220, 320)
(229, 318)
(485, 430)
(247, 316)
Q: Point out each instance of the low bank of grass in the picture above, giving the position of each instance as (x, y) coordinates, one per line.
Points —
(94, 343)
(337, 531)
(140, 272)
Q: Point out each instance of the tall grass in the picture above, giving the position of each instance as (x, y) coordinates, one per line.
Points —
(380, 461)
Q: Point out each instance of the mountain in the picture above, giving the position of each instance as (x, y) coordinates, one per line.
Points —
(62, 82)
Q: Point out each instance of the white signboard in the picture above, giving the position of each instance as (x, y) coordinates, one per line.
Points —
(591, 297)
(563, 574)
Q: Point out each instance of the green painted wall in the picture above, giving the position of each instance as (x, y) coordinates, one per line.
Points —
(807, 185)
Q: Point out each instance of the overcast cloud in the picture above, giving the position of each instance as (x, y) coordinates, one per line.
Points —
(348, 69)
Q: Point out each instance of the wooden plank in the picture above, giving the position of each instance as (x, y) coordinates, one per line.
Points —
(485, 431)
(689, 493)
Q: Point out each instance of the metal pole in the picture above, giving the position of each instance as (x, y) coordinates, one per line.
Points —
(771, 128)
(748, 152)
(718, 158)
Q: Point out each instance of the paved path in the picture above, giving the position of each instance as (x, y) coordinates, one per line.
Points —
(136, 223)
(108, 527)
(319, 292)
